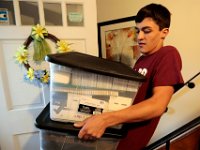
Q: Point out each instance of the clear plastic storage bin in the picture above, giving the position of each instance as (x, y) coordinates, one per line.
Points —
(83, 85)
(52, 140)
(56, 135)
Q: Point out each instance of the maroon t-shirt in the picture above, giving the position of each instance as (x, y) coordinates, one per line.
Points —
(162, 68)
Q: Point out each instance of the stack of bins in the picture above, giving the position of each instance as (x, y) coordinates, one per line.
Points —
(83, 85)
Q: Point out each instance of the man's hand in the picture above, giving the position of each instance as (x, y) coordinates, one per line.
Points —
(92, 127)
(95, 126)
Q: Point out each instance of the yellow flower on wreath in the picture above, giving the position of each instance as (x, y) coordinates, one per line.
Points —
(38, 32)
(63, 46)
(30, 74)
(22, 55)
(45, 78)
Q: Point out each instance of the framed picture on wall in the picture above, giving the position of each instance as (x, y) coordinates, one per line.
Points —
(117, 40)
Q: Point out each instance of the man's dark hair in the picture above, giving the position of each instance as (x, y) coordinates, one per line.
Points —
(157, 12)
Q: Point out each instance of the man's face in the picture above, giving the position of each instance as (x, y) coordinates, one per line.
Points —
(149, 37)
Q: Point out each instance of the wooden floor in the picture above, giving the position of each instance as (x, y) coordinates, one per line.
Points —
(190, 141)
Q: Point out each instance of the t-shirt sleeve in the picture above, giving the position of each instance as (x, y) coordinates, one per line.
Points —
(168, 71)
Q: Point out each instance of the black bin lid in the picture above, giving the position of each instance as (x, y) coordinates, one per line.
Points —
(44, 122)
(95, 64)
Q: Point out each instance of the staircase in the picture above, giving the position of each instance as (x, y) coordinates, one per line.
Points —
(187, 137)
(189, 141)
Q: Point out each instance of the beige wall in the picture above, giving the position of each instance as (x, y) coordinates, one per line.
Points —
(184, 34)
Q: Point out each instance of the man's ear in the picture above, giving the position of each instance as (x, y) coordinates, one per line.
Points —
(165, 32)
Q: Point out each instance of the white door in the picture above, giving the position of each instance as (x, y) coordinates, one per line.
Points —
(20, 101)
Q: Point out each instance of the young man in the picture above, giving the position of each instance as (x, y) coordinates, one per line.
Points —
(162, 67)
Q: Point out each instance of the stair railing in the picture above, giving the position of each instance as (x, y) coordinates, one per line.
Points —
(188, 126)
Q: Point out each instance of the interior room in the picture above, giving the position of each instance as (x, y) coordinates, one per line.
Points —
(81, 26)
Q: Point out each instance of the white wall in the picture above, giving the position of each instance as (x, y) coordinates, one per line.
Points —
(184, 34)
